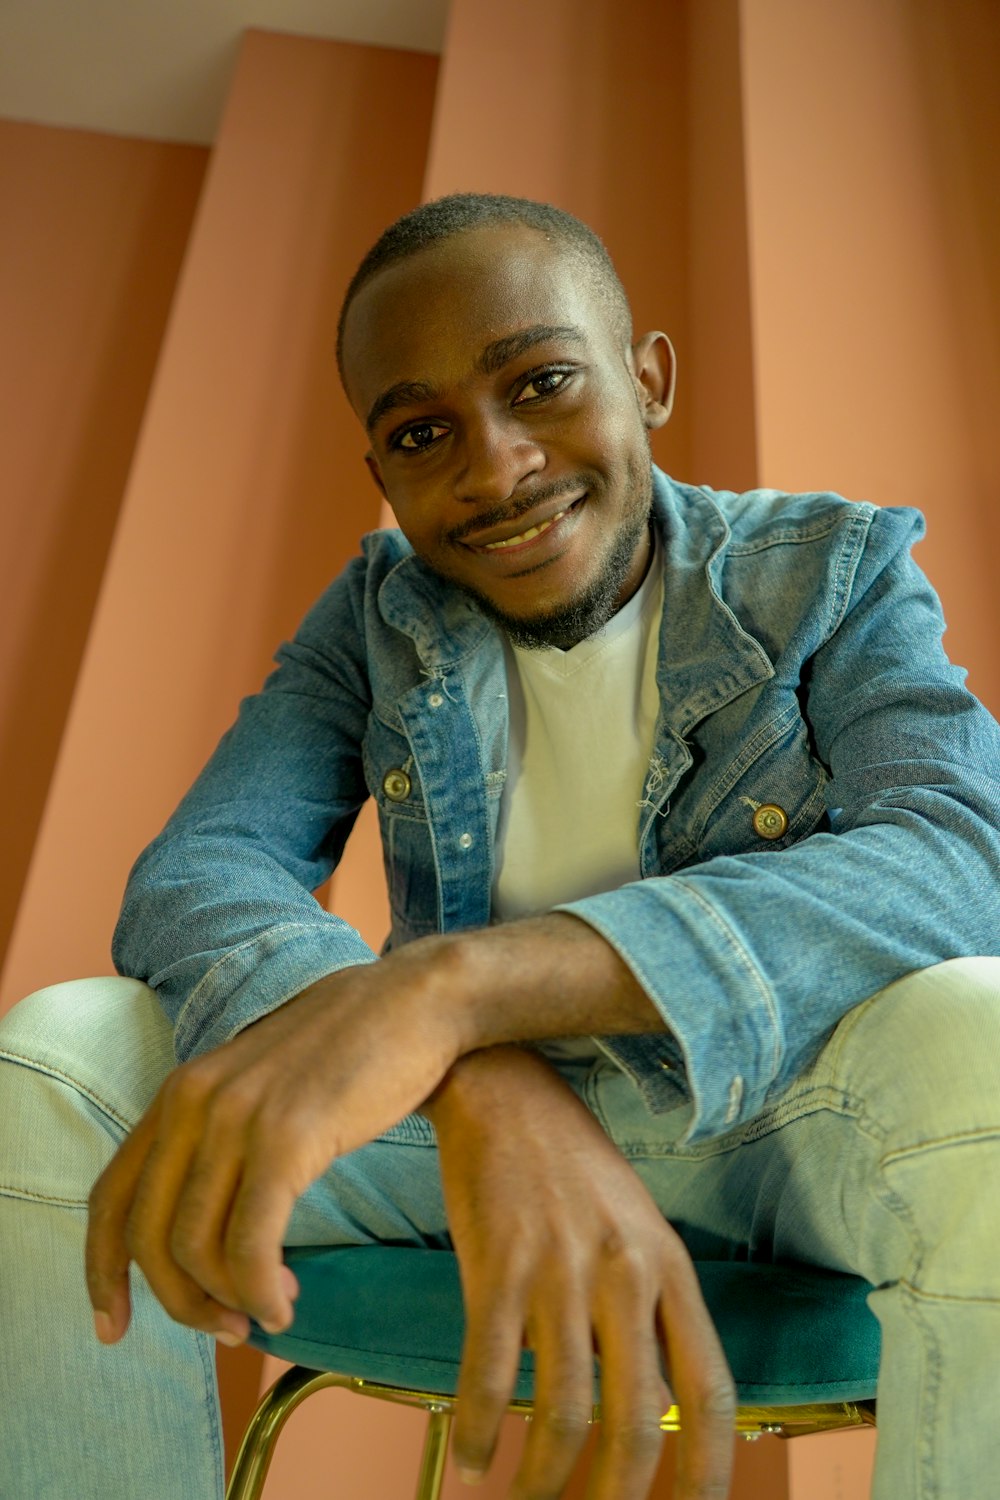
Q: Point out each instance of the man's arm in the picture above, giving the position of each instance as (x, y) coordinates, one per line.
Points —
(218, 914)
(752, 958)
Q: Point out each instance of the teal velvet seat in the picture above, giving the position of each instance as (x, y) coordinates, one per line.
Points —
(802, 1345)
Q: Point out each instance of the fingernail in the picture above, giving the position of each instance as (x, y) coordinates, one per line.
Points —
(471, 1476)
(104, 1327)
(231, 1340)
(274, 1325)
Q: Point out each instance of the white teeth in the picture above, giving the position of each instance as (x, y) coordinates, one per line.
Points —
(525, 536)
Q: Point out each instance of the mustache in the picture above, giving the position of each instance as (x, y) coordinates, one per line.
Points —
(513, 510)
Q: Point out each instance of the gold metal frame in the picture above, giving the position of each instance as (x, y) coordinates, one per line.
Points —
(292, 1388)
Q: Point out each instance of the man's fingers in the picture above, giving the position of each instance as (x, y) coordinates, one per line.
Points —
(198, 1231)
(149, 1223)
(634, 1395)
(564, 1395)
(490, 1357)
(106, 1254)
(254, 1242)
(703, 1389)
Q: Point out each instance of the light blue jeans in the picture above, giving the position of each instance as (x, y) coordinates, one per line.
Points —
(884, 1159)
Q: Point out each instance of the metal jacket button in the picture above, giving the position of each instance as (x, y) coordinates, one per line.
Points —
(770, 821)
(396, 785)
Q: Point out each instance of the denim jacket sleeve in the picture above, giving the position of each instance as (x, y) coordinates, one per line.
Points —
(218, 915)
(753, 957)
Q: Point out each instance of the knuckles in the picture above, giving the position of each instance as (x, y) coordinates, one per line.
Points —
(637, 1440)
(482, 1394)
(209, 1096)
(190, 1085)
(244, 1253)
(567, 1422)
(717, 1401)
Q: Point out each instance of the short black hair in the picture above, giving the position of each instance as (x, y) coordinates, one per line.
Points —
(458, 212)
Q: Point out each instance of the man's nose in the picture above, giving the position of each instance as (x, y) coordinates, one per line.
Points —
(497, 455)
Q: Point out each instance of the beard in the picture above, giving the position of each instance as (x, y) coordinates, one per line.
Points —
(590, 610)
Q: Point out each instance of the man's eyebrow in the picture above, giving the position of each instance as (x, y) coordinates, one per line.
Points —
(501, 351)
(492, 359)
(403, 393)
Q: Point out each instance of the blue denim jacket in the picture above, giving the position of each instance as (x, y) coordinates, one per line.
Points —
(800, 667)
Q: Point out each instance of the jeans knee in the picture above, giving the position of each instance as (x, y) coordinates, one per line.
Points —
(90, 1048)
(923, 1056)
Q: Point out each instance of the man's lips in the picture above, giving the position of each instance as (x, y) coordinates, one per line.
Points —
(501, 541)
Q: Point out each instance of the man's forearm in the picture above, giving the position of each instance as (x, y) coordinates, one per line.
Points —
(541, 977)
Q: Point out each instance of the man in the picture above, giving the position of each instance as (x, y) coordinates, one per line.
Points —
(690, 834)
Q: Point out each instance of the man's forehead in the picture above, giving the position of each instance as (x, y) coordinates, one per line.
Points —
(448, 304)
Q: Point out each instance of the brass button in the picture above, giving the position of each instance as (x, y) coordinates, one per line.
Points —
(396, 785)
(770, 821)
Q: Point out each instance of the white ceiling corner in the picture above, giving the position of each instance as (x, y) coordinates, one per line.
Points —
(160, 68)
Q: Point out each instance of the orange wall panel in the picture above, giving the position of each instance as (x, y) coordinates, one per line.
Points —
(866, 378)
(95, 228)
(583, 106)
(247, 492)
(718, 376)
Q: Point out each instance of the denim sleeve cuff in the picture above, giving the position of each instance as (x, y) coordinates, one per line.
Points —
(248, 982)
(713, 997)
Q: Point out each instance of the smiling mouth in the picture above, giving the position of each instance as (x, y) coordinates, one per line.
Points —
(530, 533)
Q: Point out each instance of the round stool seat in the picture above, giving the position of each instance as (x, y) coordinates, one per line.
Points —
(792, 1335)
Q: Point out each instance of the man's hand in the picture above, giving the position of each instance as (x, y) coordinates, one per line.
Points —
(200, 1194)
(560, 1246)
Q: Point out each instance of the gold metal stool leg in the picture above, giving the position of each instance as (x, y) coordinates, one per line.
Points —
(435, 1452)
(254, 1457)
(257, 1447)
(292, 1388)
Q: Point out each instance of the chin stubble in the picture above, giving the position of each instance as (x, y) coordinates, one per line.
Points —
(589, 612)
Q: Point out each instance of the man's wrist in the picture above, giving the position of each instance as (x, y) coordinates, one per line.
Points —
(481, 1085)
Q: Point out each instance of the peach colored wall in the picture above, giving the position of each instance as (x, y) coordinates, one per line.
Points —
(875, 355)
(870, 133)
(94, 231)
(719, 375)
(583, 105)
(247, 491)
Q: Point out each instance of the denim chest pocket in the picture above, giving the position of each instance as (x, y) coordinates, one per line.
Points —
(407, 846)
(769, 797)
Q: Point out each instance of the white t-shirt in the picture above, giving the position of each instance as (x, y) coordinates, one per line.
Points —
(582, 725)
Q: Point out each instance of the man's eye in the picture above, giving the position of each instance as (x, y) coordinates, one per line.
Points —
(421, 435)
(545, 383)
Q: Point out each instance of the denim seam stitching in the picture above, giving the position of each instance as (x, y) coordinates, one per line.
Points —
(940, 1143)
(206, 1354)
(231, 953)
(932, 1392)
(823, 1096)
(81, 1088)
(8, 1190)
(745, 961)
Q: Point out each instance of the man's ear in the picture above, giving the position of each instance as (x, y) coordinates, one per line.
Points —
(654, 366)
(375, 472)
